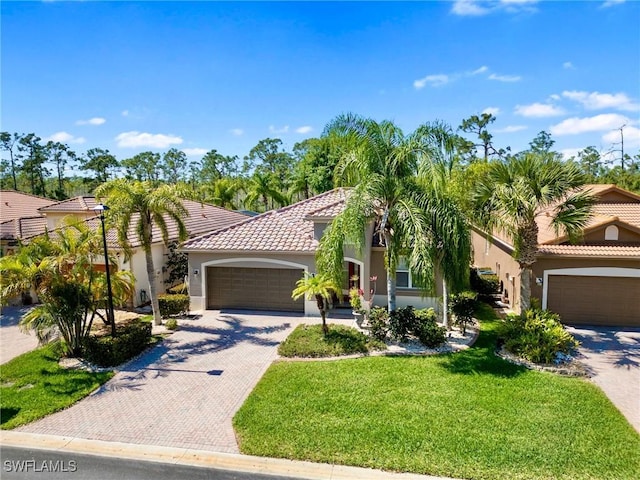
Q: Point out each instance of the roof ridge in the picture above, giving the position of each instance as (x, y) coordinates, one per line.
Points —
(10, 190)
(79, 198)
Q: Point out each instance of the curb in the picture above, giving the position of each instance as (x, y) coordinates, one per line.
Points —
(200, 458)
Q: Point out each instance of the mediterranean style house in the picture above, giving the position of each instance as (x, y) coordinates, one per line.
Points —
(256, 264)
(596, 281)
(42, 215)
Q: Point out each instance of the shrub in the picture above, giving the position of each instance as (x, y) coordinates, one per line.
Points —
(310, 341)
(402, 323)
(173, 304)
(484, 284)
(171, 324)
(427, 330)
(378, 323)
(536, 335)
(463, 305)
(108, 351)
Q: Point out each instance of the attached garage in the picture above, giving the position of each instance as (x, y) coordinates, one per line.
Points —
(595, 300)
(253, 288)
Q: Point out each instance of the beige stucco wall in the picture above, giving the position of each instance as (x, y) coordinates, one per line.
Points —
(624, 235)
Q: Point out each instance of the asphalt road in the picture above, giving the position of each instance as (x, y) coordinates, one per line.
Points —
(32, 464)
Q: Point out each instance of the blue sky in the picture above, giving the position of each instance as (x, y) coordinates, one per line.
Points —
(136, 76)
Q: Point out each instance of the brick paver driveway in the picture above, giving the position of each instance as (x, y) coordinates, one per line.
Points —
(184, 392)
(12, 341)
(613, 356)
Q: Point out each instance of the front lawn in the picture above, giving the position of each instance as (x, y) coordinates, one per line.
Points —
(33, 386)
(467, 415)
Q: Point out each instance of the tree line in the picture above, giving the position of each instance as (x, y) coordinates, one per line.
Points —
(268, 177)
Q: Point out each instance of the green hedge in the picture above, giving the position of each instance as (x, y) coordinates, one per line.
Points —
(107, 351)
(484, 284)
(173, 304)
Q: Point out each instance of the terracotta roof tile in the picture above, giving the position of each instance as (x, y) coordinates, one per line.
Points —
(21, 228)
(283, 230)
(17, 204)
(82, 203)
(623, 251)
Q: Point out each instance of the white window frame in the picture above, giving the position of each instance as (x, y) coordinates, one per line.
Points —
(402, 267)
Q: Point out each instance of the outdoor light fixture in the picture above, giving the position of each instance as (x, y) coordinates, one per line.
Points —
(100, 209)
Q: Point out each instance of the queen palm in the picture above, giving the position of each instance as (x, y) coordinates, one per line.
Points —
(515, 192)
(381, 164)
(141, 206)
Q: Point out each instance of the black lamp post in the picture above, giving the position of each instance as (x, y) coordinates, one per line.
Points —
(100, 209)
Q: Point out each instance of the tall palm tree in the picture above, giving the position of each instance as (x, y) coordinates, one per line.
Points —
(260, 188)
(222, 193)
(515, 192)
(381, 164)
(320, 287)
(145, 206)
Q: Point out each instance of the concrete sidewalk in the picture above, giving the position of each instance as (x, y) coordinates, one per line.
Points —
(200, 458)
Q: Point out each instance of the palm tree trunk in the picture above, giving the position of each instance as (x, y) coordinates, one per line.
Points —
(153, 294)
(391, 291)
(323, 313)
(525, 288)
(445, 305)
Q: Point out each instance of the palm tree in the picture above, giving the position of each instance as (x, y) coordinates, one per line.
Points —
(260, 188)
(320, 287)
(411, 221)
(222, 193)
(145, 206)
(514, 193)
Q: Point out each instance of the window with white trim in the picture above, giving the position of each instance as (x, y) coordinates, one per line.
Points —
(403, 275)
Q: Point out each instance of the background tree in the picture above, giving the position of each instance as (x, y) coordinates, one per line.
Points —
(479, 126)
(271, 160)
(542, 143)
(101, 163)
(215, 166)
(8, 142)
(34, 157)
(139, 206)
(515, 192)
(60, 154)
(174, 165)
(222, 193)
(262, 194)
(144, 166)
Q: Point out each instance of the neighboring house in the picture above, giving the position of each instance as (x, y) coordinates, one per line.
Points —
(256, 264)
(202, 218)
(596, 281)
(20, 218)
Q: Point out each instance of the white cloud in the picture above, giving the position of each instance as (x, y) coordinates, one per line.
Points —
(238, 132)
(538, 110)
(304, 129)
(612, 3)
(567, 153)
(136, 139)
(469, 8)
(599, 123)
(568, 66)
(599, 101)
(64, 137)
(505, 78)
(275, 130)
(92, 121)
(480, 70)
(631, 137)
(194, 151)
(492, 111)
(125, 113)
(554, 97)
(432, 80)
(512, 129)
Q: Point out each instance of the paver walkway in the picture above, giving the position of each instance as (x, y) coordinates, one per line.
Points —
(613, 356)
(184, 392)
(12, 341)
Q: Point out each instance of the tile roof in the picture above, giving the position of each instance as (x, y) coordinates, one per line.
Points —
(622, 251)
(17, 204)
(19, 228)
(82, 203)
(201, 218)
(285, 230)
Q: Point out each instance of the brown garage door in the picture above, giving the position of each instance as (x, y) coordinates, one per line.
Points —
(253, 288)
(595, 300)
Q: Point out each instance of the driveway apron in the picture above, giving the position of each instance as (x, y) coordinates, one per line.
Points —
(613, 357)
(184, 392)
(12, 341)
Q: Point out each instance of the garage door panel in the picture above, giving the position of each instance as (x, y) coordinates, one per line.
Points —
(595, 300)
(253, 288)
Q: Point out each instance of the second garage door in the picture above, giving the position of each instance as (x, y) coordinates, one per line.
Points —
(612, 301)
(253, 288)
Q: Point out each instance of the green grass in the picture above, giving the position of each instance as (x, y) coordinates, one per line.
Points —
(309, 341)
(467, 415)
(33, 386)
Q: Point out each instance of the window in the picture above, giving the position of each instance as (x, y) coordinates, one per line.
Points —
(611, 233)
(403, 275)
